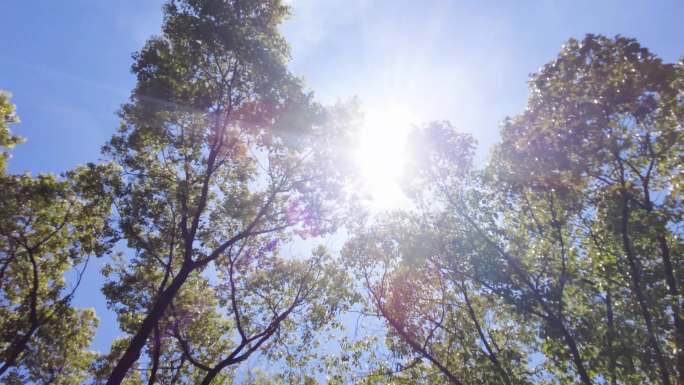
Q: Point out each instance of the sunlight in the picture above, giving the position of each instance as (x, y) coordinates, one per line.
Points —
(381, 154)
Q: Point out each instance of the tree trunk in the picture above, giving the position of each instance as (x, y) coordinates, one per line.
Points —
(672, 289)
(638, 293)
(574, 350)
(610, 336)
(16, 349)
(676, 304)
(138, 341)
(209, 377)
(491, 354)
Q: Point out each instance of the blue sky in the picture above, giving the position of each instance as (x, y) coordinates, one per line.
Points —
(67, 64)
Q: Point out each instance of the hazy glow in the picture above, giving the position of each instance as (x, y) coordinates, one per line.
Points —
(381, 154)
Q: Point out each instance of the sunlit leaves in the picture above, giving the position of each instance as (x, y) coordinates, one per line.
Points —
(227, 161)
(49, 227)
(7, 117)
(563, 243)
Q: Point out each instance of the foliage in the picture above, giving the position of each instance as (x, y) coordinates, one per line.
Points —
(558, 262)
(49, 226)
(567, 245)
(227, 161)
(7, 117)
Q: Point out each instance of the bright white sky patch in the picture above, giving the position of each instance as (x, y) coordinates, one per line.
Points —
(382, 153)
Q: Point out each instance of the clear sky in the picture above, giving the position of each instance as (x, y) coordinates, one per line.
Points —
(67, 64)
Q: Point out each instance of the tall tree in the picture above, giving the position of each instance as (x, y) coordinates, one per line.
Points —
(604, 128)
(226, 160)
(413, 267)
(574, 227)
(49, 226)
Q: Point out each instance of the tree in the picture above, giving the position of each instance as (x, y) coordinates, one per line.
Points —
(226, 160)
(574, 227)
(48, 227)
(412, 267)
(7, 117)
(605, 126)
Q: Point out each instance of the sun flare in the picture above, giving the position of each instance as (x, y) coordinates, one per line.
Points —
(381, 154)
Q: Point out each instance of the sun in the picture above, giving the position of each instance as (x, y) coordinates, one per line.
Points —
(382, 154)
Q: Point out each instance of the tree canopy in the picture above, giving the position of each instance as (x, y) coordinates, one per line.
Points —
(225, 158)
(559, 261)
(48, 226)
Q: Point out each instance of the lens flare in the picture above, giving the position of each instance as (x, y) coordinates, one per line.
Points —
(381, 155)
